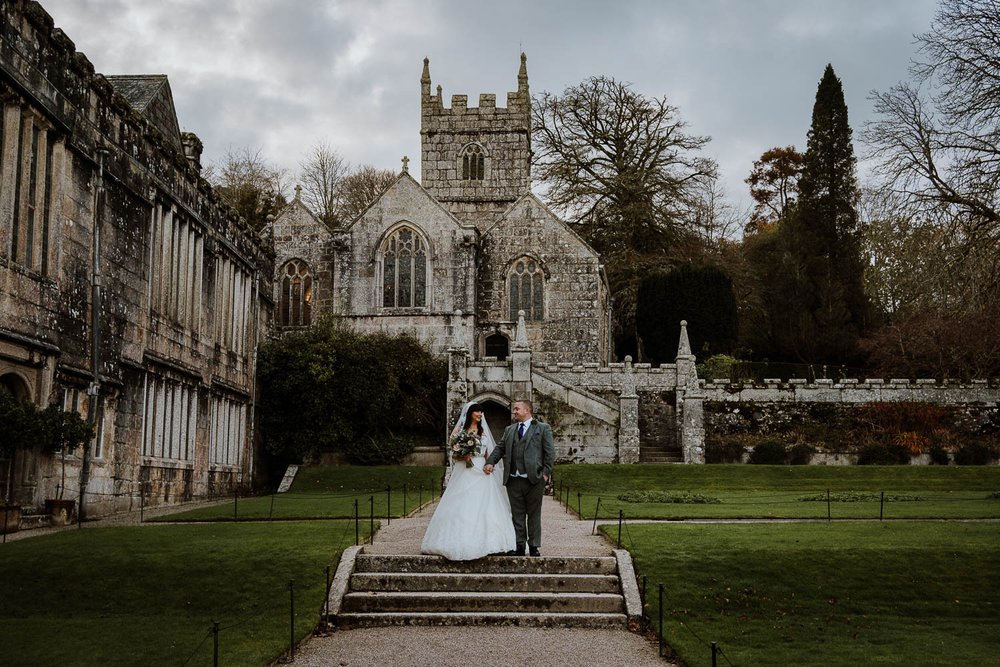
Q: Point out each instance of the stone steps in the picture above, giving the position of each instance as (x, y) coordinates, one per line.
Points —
(374, 590)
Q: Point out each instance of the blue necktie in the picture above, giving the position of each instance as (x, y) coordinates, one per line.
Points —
(520, 430)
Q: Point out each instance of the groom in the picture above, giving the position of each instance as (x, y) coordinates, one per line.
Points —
(528, 454)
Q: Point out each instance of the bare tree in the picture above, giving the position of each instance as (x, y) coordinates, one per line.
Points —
(250, 184)
(363, 186)
(617, 163)
(937, 139)
(321, 175)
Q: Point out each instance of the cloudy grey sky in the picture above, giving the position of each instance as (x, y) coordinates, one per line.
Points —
(280, 75)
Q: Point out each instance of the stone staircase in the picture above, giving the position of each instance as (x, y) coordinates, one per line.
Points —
(649, 453)
(382, 590)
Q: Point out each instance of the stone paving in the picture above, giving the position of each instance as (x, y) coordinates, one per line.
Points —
(562, 535)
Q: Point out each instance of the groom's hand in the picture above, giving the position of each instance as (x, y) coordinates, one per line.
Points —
(488, 468)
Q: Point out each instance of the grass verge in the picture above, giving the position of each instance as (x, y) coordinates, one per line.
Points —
(147, 595)
(824, 594)
(757, 491)
(330, 493)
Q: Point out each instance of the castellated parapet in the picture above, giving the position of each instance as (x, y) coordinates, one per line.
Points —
(451, 137)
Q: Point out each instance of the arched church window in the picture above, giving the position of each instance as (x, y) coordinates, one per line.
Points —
(296, 295)
(497, 346)
(473, 163)
(404, 270)
(526, 285)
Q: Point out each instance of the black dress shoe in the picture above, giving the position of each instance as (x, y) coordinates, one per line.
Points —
(533, 551)
(519, 551)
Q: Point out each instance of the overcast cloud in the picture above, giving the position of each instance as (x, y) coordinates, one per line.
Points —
(280, 75)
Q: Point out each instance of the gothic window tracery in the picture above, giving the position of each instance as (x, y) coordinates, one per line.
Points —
(473, 163)
(404, 270)
(296, 295)
(526, 289)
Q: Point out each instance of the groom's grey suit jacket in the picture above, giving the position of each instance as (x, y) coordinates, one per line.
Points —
(539, 452)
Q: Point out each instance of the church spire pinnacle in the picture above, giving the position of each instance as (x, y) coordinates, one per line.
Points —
(522, 75)
(425, 78)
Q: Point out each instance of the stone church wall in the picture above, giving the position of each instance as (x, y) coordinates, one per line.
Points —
(180, 276)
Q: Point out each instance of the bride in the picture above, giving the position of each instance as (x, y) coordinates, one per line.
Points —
(472, 518)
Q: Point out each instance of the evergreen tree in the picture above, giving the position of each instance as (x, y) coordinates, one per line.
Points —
(823, 240)
(701, 295)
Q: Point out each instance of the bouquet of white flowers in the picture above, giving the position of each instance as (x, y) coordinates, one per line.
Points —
(465, 445)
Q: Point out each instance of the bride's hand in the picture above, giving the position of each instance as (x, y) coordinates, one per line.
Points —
(488, 468)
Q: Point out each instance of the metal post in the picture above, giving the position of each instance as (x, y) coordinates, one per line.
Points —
(404, 499)
(566, 500)
(215, 644)
(596, 513)
(715, 650)
(881, 505)
(388, 505)
(828, 515)
(371, 520)
(291, 616)
(621, 517)
(270, 512)
(660, 618)
(357, 529)
(579, 505)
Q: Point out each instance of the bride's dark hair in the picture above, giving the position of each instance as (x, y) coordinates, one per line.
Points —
(475, 407)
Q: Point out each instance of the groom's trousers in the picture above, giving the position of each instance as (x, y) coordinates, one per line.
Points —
(526, 508)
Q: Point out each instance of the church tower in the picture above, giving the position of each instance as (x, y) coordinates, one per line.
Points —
(476, 161)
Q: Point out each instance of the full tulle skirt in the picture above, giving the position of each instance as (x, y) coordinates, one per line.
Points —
(472, 518)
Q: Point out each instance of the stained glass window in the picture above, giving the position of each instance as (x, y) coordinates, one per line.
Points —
(295, 306)
(526, 289)
(404, 270)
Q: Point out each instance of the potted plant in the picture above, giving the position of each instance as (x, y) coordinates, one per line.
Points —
(63, 432)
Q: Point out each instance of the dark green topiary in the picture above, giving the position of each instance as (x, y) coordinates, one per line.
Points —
(768, 452)
(724, 451)
(701, 295)
(939, 455)
(881, 454)
(975, 453)
(800, 454)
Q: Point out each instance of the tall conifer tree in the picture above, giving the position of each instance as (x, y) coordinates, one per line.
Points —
(823, 237)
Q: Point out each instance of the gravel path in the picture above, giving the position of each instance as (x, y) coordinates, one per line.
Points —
(504, 646)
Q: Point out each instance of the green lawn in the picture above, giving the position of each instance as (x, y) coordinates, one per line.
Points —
(330, 493)
(752, 491)
(147, 595)
(903, 593)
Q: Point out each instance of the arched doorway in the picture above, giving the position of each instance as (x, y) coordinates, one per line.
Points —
(12, 385)
(497, 415)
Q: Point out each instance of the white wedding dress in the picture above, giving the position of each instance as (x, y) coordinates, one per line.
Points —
(472, 518)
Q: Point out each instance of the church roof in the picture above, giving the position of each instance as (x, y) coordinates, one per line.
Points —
(150, 95)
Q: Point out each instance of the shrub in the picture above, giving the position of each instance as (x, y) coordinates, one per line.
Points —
(725, 450)
(881, 454)
(975, 453)
(769, 452)
(374, 451)
(718, 366)
(801, 454)
(939, 455)
(681, 498)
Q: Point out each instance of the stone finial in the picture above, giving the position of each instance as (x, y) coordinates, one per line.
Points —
(192, 149)
(426, 76)
(298, 192)
(522, 75)
(684, 346)
(406, 164)
(521, 337)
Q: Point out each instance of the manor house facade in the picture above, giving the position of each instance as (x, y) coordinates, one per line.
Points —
(129, 291)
